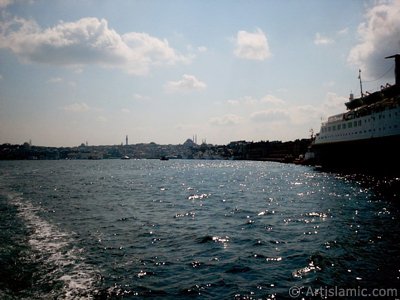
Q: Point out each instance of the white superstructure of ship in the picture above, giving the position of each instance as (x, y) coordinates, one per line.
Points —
(381, 119)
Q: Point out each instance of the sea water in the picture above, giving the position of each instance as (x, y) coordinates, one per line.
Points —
(177, 229)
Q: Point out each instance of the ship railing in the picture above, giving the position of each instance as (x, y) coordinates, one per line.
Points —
(335, 118)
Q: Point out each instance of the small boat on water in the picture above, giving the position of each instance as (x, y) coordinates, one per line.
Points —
(125, 157)
(164, 158)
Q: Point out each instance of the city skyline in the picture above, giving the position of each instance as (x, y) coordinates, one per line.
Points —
(159, 71)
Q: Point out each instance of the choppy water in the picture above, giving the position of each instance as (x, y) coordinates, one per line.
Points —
(180, 229)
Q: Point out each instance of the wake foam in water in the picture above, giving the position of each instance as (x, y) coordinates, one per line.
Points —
(65, 274)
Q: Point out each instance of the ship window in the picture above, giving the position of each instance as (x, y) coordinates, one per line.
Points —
(359, 122)
(350, 124)
(334, 127)
(344, 126)
(329, 128)
(339, 127)
(355, 123)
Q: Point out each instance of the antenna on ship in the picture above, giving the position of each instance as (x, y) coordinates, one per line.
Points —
(359, 77)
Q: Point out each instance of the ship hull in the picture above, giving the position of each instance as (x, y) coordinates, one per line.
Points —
(375, 155)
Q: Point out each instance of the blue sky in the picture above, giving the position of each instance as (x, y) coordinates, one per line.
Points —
(162, 71)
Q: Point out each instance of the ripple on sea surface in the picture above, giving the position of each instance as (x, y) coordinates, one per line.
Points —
(214, 228)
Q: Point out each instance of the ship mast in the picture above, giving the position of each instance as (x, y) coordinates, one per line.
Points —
(359, 77)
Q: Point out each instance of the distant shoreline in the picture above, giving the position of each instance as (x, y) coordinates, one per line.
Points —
(239, 150)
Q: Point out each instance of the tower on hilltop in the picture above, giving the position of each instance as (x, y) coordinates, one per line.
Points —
(126, 140)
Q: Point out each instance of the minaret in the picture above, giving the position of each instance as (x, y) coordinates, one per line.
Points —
(126, 139)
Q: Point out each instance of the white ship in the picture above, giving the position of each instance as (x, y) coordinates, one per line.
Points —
(367, 135)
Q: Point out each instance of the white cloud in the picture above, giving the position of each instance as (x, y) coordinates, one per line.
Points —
(270, 115)
(202, 49)
(277, 117)
(77, 70)
(307, 111)
(101, 119)
(125, 110)
(5, 3)
(84, 42)
(271, 99)
(187, 83)
(225, 120)
(333, 103)
(252, 46)
(77, 107)
(273, 111)
(141, 97)
(311, 114)
(322, 40)
(379, 36)
(55, 80)
(249, 100)
(329, 84)
(343, 31)
(233, 102)
(305, 114)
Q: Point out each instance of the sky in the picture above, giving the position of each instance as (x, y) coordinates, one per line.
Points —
(163, 71)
